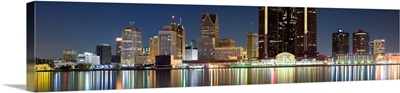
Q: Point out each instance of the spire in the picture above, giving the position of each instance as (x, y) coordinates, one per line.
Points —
(180, 21)
(173, 18)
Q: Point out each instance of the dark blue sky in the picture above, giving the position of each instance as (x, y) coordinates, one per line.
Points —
(81, 26)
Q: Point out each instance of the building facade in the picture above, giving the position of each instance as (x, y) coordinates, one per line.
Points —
(252, 45)
(191, 53)
(131, 44)
(90, 58)
(153, 48)
(340, 43)
(104, 52)
(205, 48)
(167, 41)
(360, 41)
(228, 53)
(209, 26)
(379, 46)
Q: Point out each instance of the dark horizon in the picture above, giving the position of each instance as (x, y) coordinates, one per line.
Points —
(82, 26)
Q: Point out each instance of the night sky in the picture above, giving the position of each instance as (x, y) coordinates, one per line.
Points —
(81, 26)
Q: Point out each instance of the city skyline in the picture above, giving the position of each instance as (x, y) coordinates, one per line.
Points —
(105, 25)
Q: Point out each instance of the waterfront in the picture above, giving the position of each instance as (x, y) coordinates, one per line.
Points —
(132, 79)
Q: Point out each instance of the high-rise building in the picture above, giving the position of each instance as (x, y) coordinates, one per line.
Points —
(360, 42)
(290, 29)
(379, 46)
(267, 30)
(153, 48)
(131, 44)
(191, 53)
(228, 53)
(87, 57)
(167, 41)
(306, 32)
(252, 45)
(340, 43)
(69, 56)
(209, 26)
(227, 42)
(104, 52)
(205, 48)
(180, 38)
(371, 47)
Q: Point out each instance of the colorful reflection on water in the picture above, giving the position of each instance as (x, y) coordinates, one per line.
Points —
(131, 79)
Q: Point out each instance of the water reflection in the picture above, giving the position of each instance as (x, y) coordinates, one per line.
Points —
(131, 79)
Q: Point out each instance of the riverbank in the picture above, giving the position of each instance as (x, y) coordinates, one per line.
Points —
(233, 66)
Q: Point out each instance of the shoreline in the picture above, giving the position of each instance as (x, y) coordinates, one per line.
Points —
(245, 66)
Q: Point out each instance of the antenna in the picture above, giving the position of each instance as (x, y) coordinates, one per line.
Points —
(180, 20)
(173, 18)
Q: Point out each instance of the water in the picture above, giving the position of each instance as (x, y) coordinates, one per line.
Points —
(133, 79)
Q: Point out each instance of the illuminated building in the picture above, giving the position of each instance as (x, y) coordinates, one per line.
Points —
(191, 53)
(340, 43)
(131, 44)
(167, 41)
(210, 26)
(285, 58)
(153, 48)
(379, 46)
(228, 53)
(104, 52)
(205, 48)
(360, 41)
(87, 57)
(69, 55)
(290, 29)
(44, 61)
(227, 42)
(180, 38)
(393, 57)
(371, 47)
(353, 58)
(118, 47)
(252, 45)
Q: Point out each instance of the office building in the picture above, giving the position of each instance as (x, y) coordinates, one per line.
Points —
(228, 53)
(88, 57)
(371, 47)
(340, 43)
(167, 41)
(205, 48)
(379, 46)
(131, 44)
(118, 47)
(191, 53)
(146, 51)
(360, 42)
(210, 26)
(153, 48)
(252, 45)
(104, 52)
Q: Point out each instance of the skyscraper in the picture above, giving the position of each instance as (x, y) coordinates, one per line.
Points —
(340, 43)
(131, 44)
(153, 48)
(104, 52)
(209, 26)
(167, 41)
(267, 30)
(371, 47)
(180, 38)
(205, 48)
(69, 56)
(227, 42)
(290, 29)
(379, 46)
(252, 45)
(360, 41)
